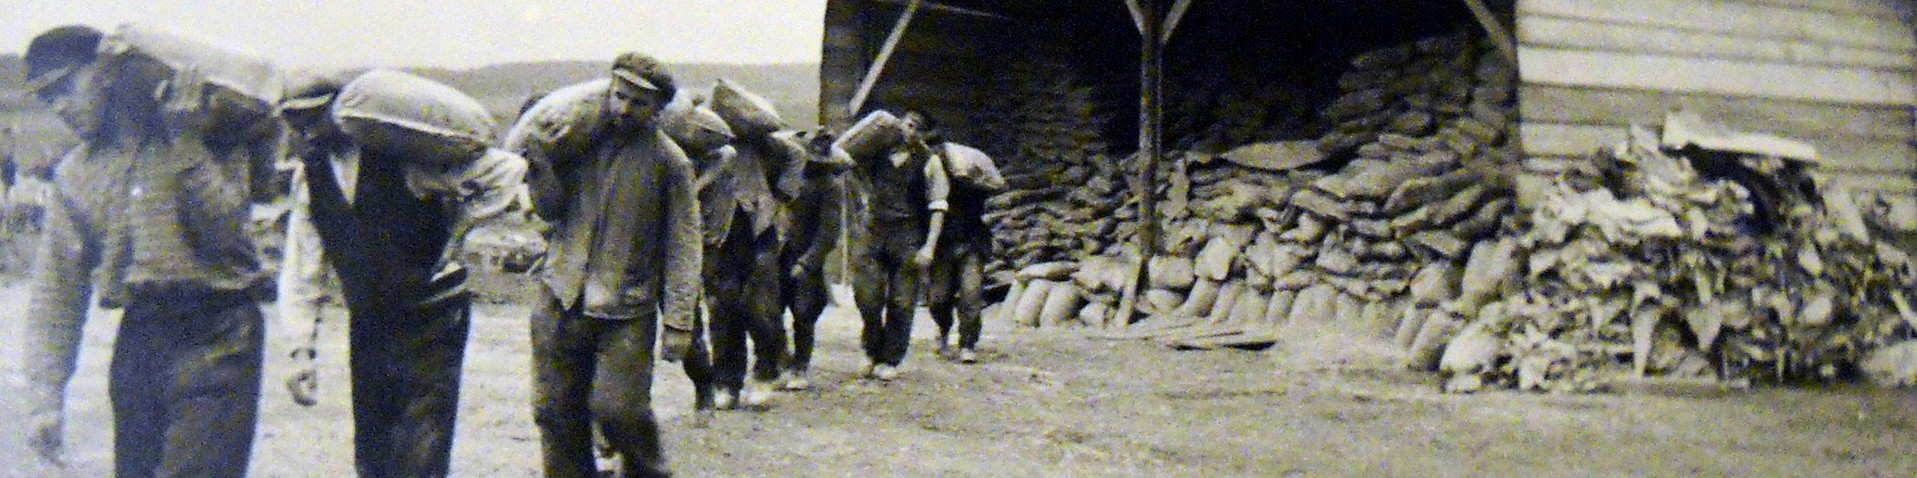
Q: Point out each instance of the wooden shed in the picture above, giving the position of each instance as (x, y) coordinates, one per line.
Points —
(1837, 73)
(951, 58)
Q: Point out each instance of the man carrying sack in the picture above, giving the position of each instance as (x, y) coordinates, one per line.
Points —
(385, 199)
(150, 215)
(623, 265)
(956, 282)
(904, 184)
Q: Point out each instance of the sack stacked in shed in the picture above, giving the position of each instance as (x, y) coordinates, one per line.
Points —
(1252, 241)
(1444, 87)
(1061, 188)
(1671, 272)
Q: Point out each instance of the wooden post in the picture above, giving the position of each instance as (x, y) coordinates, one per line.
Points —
(878, 63)
(1146, 13)
(1492, 27)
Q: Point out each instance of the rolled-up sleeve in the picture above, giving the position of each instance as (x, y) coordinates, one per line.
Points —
(302, 270)
(57, 312)
(684, 244)
(938, 189)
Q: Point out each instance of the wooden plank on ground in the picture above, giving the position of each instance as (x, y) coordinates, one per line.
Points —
(1619, 107)
(1255, 338)
(1860, 155)
(1576, 34)
(1737, 19)
(1727, 77)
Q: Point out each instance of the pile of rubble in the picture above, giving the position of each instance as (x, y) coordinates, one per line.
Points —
(1666, 259)
(1255, 238)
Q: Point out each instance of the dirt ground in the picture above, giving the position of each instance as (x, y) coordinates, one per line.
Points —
(1045, 403)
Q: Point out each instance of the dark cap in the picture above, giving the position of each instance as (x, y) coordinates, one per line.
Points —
(56, 51)
(641, 70)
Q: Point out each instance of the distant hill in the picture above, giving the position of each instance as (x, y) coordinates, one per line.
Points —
(792, 88)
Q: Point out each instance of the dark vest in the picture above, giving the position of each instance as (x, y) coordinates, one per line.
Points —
(384, 244)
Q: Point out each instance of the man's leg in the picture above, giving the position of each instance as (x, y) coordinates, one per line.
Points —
(971, 300)
(622, 402)
(806, 295)
(376, 394)
(729, 326)
(899, 302)
(767, 316)
(213, 402)
(698, 367)
(869, 284)
(139, 414)
(941, 295)
(428, 352)
(563, 366)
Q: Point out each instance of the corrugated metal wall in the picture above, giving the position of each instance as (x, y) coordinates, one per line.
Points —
(1837, 73)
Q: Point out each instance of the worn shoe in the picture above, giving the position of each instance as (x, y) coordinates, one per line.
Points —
(795, 380)
(945, 351)
(724, 399)
(967, 356)
(757, 394)
(886, 373)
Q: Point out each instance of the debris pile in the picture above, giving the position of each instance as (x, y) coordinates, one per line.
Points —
(1665, 259)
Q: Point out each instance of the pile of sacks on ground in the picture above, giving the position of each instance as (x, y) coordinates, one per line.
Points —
(1063, 190)
(1253, 239)
(1668, 257)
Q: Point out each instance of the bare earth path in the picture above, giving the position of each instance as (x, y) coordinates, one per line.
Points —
(1058, 404)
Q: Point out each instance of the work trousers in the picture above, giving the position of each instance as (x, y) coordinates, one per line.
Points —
(570, 350)
(185, 384)
(885, 289)
(405, 364)
(742, 291)
(956, 287)
(806, 295)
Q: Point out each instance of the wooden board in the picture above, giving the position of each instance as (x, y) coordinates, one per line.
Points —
(1859, 156)
(1741, 19)
(1726, 77)
(1623, 107)
(1903, 9)
(1586, 35)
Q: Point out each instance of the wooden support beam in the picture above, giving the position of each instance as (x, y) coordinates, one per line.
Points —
(1494, 28)
(1138, 15)
(1150, 115)
(878, 64)
(940, 7)
(1171, 22)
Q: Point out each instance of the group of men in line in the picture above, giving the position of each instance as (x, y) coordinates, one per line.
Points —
(150, 212)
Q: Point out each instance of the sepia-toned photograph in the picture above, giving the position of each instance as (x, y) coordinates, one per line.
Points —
(992, 238)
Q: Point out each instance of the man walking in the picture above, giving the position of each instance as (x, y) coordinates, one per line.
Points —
(958, 271)
(386, 225)
(147, 213)
(906, 191)
(625, 259)
(815, 217)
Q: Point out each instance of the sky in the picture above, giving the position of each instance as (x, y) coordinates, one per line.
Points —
(454, 33)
